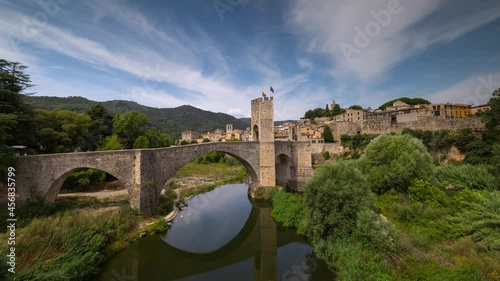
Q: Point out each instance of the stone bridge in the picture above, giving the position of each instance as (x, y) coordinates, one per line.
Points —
(144, 172)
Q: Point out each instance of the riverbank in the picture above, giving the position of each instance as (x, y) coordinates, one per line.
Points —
(71, 239)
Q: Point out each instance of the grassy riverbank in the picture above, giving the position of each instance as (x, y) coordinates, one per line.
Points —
(394, 215)
(69, 240)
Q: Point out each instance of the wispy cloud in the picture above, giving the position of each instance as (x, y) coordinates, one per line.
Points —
(392, 32)
(476, 90)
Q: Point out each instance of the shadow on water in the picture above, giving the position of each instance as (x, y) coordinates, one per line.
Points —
(223, 235)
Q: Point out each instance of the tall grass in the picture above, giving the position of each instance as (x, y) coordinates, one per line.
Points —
(475, 177)
(70, 245)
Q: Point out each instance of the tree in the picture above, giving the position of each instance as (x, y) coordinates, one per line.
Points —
(112, 143)
(129, 126)
(357, 107)
(101, 125)
(491, 118)
(61, 128)
(393, 161)
(157, 139)
(332, 199)
(327, 135)
(16, 126)
(141, 142)
(337, 110)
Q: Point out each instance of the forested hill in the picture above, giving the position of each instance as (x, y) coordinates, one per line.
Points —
(168, 120)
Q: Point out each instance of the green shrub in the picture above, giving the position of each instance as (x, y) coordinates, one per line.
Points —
(393, 161)
(326, 155)
(423, 192)
(333, 197)
(164, 207)
(84, 178)
(475, 177)
(288, 209)
(209, 158)
(381, 233)
(481, 219)
(352, 259)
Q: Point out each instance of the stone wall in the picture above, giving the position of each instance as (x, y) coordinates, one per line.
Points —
(425, 123)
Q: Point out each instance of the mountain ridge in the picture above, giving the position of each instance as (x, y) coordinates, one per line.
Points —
(168, 120)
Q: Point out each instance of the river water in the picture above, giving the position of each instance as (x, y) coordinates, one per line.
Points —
(222, 235)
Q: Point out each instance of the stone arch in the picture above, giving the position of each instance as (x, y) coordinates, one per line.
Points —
(55, 186)
(190, 152)
(284, 170)
(255, 130)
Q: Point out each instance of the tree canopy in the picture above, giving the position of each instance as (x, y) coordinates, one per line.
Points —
(410, 101)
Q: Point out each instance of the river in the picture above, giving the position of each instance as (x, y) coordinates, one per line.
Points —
(222, 235)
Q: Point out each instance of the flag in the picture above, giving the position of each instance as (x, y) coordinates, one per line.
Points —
(263, 94)
(271, 88)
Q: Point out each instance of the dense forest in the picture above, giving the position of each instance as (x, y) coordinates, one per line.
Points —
(171, 121)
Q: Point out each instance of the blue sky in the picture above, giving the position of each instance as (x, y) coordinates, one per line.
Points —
(218, 55)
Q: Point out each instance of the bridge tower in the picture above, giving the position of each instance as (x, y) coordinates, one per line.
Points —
(263, 132)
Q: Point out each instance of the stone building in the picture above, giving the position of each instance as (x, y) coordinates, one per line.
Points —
(450, 110)
(479, 108)
(350, 115)
(190, 136)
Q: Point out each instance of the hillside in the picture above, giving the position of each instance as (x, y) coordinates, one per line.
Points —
(168, 120)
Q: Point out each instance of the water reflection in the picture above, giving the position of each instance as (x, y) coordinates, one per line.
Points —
(226, 238)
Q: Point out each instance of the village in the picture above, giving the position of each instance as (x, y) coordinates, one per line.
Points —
(351, 122)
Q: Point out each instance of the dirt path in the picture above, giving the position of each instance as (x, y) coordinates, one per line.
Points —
(99, 194)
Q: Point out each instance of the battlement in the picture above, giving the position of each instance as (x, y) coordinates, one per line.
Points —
(261, 99)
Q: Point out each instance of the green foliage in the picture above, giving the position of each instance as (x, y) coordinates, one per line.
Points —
(352, 259)
(141, 142)
(491, 118)
(357, 107)
(69, 246)
(326, 155)
(84, 178)
(333, 197)
(212, 157)
(168, 120)
(410, 101)
(393, 161)
(101, 126)
(323, 112)
(157, 139)
(112, 143)
(164, 207)
(356, 142)
(423, 192)
(327, 135)
(475, 177)
(16, 118)
(480, 218)
(6, 160)
(288, 209)
(383, 234)
(61, 127)
(129, 126)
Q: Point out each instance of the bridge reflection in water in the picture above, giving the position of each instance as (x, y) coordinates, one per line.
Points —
(251, 255)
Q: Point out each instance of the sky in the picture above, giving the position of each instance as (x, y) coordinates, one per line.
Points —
(218, 55)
